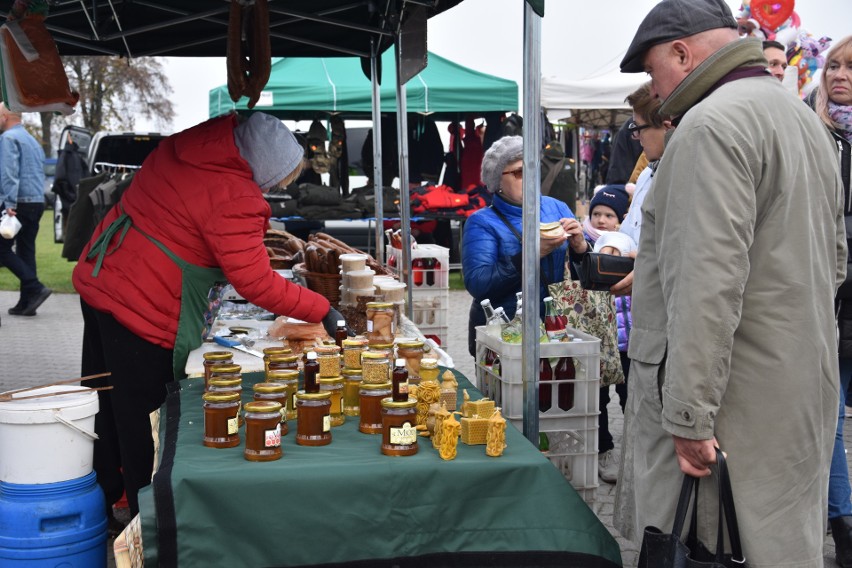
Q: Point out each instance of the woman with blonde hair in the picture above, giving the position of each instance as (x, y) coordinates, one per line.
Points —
(833, 104)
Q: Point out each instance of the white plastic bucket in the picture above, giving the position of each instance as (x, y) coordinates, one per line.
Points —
(48, 440)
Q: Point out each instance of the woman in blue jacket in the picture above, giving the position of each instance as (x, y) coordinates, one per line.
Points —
(491, 248)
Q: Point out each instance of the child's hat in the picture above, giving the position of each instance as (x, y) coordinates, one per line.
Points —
(614, 197)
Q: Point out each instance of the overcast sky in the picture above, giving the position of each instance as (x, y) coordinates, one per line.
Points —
(579, 40)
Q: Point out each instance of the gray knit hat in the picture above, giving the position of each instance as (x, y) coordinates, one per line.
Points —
(503, 151)
(269, 147)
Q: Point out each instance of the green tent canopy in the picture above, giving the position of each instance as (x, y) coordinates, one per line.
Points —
(308, 87)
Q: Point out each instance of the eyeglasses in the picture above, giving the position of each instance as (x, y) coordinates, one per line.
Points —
(634, 129)
(518, 173)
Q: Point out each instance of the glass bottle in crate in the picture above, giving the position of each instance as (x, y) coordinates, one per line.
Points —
(417, 265)
(511, 332)
(545, 375)
(555, 323)
(565, 371)
(430, 265)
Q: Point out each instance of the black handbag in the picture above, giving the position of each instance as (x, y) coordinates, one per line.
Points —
(602, 271)
(667, 550)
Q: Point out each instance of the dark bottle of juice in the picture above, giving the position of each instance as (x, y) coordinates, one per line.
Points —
(429, 264)
(545, 375)
(340, 333)
(417, 266)
(489, 358)
(311, 370)
(399, 381)
(565, 371)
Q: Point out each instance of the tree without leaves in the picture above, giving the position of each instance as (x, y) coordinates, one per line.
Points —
(114, 92)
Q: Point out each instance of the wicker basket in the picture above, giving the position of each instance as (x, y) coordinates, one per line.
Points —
(327, 285)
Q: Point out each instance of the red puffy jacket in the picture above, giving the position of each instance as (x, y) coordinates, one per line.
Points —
(195, 194)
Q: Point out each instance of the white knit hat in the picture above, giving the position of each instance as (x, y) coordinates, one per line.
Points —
(503, 151)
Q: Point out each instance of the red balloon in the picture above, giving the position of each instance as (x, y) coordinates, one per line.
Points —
(770, 14)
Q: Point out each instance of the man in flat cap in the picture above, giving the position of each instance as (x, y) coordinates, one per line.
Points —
(742, 248)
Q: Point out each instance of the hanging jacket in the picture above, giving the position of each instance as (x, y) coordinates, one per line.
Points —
(196, 195)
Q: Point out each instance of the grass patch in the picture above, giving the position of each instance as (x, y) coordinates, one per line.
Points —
(456, 280)
(53, 270)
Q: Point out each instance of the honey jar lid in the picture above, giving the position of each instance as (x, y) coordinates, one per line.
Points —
(375, 386)
(226, 368)
(379, 305)
(389, 403)
(375, 355)
(223, 382)
(347, 372)
(217, 355)
(355, 342)
(279, 350)
(220, 396)
(381, 347)
(282, 375)
(338, 380)
(313, 395)
(428, 363)
(269, 387)
(282, 358)
(327, 350)
(262, 406)
(411, 343)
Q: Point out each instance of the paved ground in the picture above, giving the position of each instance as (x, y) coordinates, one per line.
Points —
(40, 349)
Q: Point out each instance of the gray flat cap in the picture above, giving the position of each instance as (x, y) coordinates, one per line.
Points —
(675, 19)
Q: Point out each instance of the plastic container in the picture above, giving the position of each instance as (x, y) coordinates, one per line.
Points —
(392, 291)
(53, 525)
(358, 279)
(350, 262)
(349, 296)
(48, 440)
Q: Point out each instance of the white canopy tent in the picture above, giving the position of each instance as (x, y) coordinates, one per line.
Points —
(590, 103)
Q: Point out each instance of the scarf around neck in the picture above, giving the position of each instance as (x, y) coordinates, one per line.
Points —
(590, 231)
(842, 116)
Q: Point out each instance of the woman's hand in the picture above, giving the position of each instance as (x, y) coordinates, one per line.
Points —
(624, 287)
(576, 239)
(550, 244)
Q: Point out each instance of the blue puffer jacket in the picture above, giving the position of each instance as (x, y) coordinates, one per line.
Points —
(491, 258)
(625, 321)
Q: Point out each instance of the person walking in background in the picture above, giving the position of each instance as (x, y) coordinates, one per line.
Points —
(777, 58)
(833, 105)
(733, 297)
(491, 248)
(22, 196)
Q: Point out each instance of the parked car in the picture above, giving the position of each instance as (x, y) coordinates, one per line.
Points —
(49, 172)
(105, 151)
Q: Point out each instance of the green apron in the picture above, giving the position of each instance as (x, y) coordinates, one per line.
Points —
(196, 282)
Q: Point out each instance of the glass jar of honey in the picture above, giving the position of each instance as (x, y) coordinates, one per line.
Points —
(334, 385)
(329, 360)
(313, 423)
(351, 391)
(290, 380)
(412, 352)
(352, 349)
(370, 405)
(277, 350)
(428, 369)
(380, 324)
(227, 383)
(276, 392)
(263, 431)
(281, 362)
(224, 371)
(221, 428)
(399, 432)
(215, 358)
(375, 367)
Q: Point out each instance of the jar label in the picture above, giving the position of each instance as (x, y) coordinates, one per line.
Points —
(233, 426)
(272, 438)
(369, 325)
(326, 423)
(283, 415)
(404, 435)
(403, 388)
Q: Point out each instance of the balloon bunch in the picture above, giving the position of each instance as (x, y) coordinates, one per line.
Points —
(807, 56)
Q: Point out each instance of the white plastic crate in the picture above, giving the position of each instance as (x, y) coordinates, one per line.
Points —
(423, 278)
(439, 334)
(507, 388)
(575, 455)
(430, 308)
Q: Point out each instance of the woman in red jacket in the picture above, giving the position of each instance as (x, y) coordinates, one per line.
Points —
(193, 216)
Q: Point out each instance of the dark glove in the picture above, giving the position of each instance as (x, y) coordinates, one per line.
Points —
(329, 322)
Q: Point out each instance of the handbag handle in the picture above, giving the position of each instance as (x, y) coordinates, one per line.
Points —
(726, 503)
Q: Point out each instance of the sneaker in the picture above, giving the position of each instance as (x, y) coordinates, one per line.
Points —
(36, 301)
(608, 466)
(18, 309)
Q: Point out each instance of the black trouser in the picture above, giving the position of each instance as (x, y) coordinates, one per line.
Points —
(21, 262)
(124, 454)
(605, 442)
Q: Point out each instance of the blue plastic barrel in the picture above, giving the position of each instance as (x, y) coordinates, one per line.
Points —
(53, 525)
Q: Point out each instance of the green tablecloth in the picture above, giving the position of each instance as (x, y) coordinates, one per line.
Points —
(346, 502)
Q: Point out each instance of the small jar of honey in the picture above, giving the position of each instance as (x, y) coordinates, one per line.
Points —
(263, 431)
(334, 385)
(281, 362)
(399, 432)
(412, 352)
(352, 349)
(351, 388)
(227, 383)
(329, 360)
(224, 371)
(290, 380)
(215, 358)
(370, 405)
(221, 427)
(277, 350)
(375, 367)
(313, 423)
(429, 369)
(276, 392)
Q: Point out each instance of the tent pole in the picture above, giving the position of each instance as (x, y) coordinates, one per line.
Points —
(377, 154)
(404, 202)
(530, 220)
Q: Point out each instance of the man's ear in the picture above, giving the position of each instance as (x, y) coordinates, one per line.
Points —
(667, 124)
(683, 55)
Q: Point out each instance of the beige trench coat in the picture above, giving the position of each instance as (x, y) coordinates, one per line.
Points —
(742, 247)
